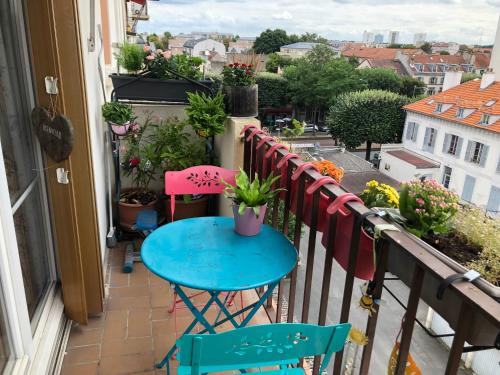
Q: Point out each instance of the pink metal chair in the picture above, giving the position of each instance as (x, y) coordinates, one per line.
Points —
(201, 179)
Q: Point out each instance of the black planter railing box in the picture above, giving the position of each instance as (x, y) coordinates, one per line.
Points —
(152, 89)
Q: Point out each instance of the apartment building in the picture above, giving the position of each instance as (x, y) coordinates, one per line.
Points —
(453, 137)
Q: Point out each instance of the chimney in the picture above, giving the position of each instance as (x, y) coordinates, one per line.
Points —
(495, 54)
(487, 79)
(451, 79)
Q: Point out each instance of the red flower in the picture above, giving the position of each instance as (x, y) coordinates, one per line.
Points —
(243, 65)
(236, 64)
(250, 65)
(249, 72)
(231, 65)
(134, 162)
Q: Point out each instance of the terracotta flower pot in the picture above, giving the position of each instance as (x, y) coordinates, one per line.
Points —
(241, 101)
(248, 224)
(128, 212)
(185, 210)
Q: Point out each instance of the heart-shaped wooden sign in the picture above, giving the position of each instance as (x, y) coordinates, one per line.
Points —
(55, 134)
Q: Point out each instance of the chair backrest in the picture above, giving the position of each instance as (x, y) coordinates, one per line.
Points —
(261, 345)
(201, 179)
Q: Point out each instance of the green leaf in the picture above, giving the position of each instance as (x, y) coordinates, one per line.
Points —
(256, 210)
(242, 208)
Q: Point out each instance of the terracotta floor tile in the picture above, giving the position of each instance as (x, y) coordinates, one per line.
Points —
(80, 336)
(83, 369)
(95, 321)
(113, 348)
(129, 291)
(127, 364)
(82, 354)
(139, 323)
(162, 344)
(119, 279)
(115, 325)
(162, 328)
(160, 313)
(128, 303)
(153, 279)
(139, 275)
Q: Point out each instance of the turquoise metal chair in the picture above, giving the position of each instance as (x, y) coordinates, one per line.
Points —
(260, 346)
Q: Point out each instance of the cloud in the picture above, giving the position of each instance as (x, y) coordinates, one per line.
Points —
(286, 15)
(462, 21)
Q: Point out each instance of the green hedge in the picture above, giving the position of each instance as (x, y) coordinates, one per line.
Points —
(272, 90)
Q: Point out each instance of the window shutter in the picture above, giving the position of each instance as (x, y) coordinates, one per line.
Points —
(415, 132)
(484, 155)
(493, 204)
(459, 147)
(435, 134)
(468, 150)
(468, 188)
(446, 143)
(409, 130)
(498, 166)
(427, 135)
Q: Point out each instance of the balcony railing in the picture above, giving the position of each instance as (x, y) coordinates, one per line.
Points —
(299, 289)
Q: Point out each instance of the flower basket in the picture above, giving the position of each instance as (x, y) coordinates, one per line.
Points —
(241, 101)
(365, 265)
(153, 89)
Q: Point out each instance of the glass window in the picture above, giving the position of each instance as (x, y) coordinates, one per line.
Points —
(476, 153)
(439, 107)
(446, 177)
(452, 149)
(485, 119)
(460, 113)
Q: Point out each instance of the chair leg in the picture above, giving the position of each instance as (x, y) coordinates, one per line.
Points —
(174, 302)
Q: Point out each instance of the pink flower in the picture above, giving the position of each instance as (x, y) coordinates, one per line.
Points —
(167, 54)
(150, 57)
(147, 48)
(420, 201)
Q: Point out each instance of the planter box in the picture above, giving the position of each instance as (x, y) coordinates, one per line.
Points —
(481, 330)
(151, 89)
(186, 210)
(241, 101)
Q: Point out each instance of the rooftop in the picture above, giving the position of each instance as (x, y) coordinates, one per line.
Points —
(378, 53)
(467, 95)
(397, 66)
(413, 159)
(301, 45)
(192, 42)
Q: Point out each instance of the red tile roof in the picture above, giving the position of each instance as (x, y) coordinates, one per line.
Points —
(437, 59)
(395, 65)
(481, 60)
(378, 53)
(413, 159)
(467, 95)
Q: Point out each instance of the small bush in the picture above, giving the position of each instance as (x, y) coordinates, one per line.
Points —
(272, 90)
(131, 57)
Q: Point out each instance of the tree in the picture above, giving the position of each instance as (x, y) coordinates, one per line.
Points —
(155, 39)
(272, 90)
(381, 79)
(465, 49)
(312, 37)
(275, 60)
(411, 87)
(315, 80)
(469, 76)
(270, 41)
(426, 47)
(444, 53)
(165, 39)
(371, 116)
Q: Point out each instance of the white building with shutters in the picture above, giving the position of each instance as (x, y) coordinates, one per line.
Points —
(454, 138)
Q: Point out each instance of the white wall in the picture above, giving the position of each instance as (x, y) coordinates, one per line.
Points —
(100, 152)
(401, 170)
(485, 176)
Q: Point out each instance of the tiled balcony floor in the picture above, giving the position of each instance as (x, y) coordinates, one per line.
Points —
(135, 330)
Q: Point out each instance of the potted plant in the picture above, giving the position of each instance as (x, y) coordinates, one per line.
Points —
(250, 201)
(206, 114)
(119, 116)
(140, 163)
(240, 90)
(433, 217)
(157, 75)
(178, 150)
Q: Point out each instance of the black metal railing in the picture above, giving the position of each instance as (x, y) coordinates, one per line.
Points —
(288, 290)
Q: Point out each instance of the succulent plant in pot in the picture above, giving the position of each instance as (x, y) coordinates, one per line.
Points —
(119, 116)
(250, 201)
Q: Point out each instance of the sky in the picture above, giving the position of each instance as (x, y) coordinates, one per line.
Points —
(462, 21)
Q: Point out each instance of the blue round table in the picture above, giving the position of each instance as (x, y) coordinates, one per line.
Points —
(206, 253)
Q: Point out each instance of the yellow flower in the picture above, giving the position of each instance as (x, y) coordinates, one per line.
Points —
(372, 184)
(357, 337)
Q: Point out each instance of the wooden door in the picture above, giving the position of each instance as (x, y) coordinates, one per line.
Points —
(53, 33)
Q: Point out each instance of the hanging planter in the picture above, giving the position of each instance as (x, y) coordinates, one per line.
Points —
(119, 116)
(240, 90)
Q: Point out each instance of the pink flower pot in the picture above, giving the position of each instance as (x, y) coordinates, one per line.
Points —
(119, 129)
(248, 224)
